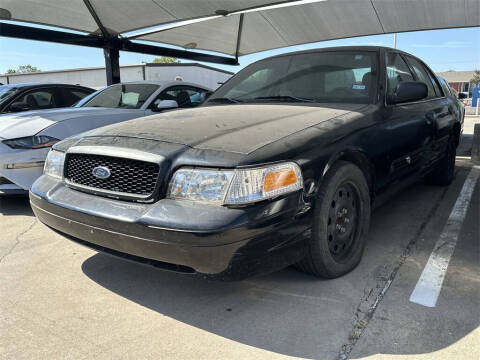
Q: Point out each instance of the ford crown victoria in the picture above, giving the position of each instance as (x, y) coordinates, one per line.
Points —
(280, 166)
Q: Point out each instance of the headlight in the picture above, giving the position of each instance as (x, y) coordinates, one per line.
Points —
(54, 164)
(235, 187)
(200, 184)
(31, 142)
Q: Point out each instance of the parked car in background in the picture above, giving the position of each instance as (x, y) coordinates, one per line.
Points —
(39, 96)
(280, 166)
(25, 138)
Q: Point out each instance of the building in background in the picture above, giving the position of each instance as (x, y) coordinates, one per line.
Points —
(459, 80)
(95, 77)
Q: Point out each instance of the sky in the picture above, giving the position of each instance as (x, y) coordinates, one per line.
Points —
(442, 50)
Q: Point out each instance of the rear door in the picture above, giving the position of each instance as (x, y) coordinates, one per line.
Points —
(408, 130)
(440, 111)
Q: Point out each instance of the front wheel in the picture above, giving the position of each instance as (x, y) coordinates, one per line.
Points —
(340, 223)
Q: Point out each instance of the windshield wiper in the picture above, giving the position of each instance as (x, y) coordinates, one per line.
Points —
(225, 99)
(283, 98)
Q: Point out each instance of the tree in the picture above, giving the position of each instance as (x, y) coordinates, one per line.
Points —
(476, 78)
(166, 60)
(23, 69)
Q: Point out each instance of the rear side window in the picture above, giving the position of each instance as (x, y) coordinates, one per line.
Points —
(70, 96)
(397, 72)
(445, 87)
(424, 76)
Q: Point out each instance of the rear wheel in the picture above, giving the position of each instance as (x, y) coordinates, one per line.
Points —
(340, 223)
(444, 171)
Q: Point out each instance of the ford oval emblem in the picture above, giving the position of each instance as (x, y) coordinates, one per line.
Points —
(101, 172)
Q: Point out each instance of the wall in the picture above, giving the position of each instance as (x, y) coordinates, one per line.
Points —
(199, 74)
(96, 78)
(90, 77)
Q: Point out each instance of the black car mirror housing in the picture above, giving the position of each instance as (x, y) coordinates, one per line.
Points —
(410, 91)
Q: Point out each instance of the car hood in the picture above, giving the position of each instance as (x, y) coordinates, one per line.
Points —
(31, 122)
(232, 128)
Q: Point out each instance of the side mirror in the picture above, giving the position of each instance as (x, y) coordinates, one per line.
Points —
(19, 106)
(166, 105)
(462, 95)
(410, 91)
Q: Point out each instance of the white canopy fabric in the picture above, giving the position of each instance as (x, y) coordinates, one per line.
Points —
(302, 22)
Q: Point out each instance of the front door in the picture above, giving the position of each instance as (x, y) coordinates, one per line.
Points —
(408, 128)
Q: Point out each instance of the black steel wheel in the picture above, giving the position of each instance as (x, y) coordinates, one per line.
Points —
(343, 216)
(340, 222)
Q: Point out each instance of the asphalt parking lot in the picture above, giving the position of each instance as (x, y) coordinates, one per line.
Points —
(62, 301)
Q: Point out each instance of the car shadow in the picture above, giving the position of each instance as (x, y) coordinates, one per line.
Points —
(244, 311)
(15, 205)
(287, 312)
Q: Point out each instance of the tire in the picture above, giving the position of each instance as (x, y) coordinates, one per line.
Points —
(444, 171)
(340, 223)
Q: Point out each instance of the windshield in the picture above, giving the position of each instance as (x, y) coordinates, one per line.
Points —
(6, 92)
(336, 76)
(125, 96)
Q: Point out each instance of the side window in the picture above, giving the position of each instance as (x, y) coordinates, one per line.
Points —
(70, 96)
(397, 72)
(423, 76)
(38, 99)
(445, 87)
(185, 96)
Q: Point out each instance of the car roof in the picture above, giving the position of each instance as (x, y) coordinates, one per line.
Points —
(39, 84)
(165, 83)
(341, 48)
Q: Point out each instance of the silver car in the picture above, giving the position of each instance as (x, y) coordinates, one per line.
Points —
(26, 138)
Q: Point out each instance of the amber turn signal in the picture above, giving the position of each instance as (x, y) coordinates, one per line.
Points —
(278, 179)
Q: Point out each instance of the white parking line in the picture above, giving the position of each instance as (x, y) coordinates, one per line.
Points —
(430, 283)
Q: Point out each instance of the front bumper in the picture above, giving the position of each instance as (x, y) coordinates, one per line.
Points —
(226, 243)
(21, 167)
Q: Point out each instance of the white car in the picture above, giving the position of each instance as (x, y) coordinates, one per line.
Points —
(26, 138)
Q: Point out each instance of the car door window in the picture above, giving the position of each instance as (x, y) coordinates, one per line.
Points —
(38, 99)
(70, 96)
(423, 76)
(185, 96)
(397, 72)
(445, 87)
(122, 96)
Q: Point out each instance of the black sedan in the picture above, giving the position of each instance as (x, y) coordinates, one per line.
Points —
(39, 96)
(281, 166)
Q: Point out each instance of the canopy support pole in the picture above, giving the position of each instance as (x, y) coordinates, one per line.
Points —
(239, 36)
(112, 64)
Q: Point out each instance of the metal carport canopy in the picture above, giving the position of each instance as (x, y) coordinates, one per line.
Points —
(236, 27)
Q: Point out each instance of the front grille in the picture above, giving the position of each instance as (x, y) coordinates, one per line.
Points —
(132, 177)
(4, 181)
